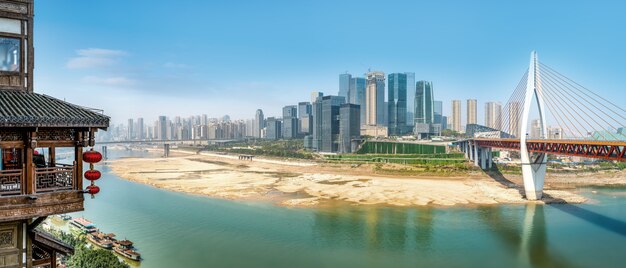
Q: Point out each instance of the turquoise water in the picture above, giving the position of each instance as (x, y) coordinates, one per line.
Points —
(178, 230)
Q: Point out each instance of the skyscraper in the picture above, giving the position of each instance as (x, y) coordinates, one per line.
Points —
(424, 113)
(344, 85)
(130, 135)
(259, 123)
(357, 95)
(273, 128)
(375, 98)
(349, 126)
(290, 122)
(437, 112)
(535, 129)
(410, 98)
(396, 96)
(162, 128)
(140, 135)
(326, 123)
(493, 115)
(471, 111)
(456, 116)
(306, 118)
(315, 95)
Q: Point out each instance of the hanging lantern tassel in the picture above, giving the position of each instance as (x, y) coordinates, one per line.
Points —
(92, 175)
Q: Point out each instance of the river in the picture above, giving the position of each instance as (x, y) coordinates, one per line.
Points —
(178, 230)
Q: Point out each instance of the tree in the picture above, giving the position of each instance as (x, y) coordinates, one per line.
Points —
(99, 258)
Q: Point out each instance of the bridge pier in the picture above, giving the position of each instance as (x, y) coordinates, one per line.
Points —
(105, 153)
(475, 155)
(166, 150)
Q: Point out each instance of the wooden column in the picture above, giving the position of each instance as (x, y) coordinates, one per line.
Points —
(53, 259)
(52, 156)
(78, 157)
(30, 144)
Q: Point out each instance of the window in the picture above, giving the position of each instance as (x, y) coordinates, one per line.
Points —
(9, 54)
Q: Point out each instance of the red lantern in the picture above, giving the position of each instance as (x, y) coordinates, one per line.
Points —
(92, 175)
(92, 156)
(92, 189)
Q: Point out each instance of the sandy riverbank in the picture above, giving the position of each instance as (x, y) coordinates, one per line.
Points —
(301, 183)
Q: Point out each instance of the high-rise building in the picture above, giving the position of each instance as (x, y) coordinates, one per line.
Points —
(410, 98)
(396, 96)
(535, 129)
(140, 135)
(290, 121)
(315, 95)
(493, 115)
(424, 113)
(456, 116)
(162, 128)
(514, 114)
(259, 123)
(471, 111)
(344, 84)
(375, 99)
(273, 128)
(357, 95)
(555, 133)
(305, 117)
(349, 126)
(444, 122)
(326, 123)
(437, 112)
(130, 134)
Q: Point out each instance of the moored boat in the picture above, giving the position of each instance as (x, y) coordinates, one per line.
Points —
(83, 225)
(100, 239)
(125, 248)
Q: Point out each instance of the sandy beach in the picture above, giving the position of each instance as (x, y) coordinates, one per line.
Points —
(302, 183)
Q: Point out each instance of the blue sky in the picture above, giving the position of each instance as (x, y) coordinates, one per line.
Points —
(146, 58)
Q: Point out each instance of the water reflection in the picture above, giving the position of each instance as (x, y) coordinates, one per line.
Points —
(521, 232)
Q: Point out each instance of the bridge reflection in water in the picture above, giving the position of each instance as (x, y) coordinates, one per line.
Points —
(453, 236)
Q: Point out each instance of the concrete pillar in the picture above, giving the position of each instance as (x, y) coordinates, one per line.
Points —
(489, 158)
(166, 150)
(483, 158)
(471, 151)
(476, 148)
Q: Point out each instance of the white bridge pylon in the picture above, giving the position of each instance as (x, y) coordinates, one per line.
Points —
(533, 167)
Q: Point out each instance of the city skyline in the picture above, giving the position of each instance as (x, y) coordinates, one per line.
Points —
(470, 53)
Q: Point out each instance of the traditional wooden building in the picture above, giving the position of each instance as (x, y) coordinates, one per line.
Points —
(33, 128)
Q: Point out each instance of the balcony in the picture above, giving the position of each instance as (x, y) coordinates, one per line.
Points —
(48, 190)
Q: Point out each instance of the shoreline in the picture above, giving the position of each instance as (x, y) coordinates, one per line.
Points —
(305, 183)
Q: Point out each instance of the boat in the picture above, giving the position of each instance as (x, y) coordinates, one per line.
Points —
(101, 239)
(83, 225)
(125, 248)
(65, 217)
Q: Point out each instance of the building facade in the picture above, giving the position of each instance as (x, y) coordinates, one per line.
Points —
(326, 123)
(273, 128)
(456, 116)
(396, 96)
(471, 111)
(344, 85)
(259, 123)
(349, 127)
(358, 95)
(375, 99)
(493, 115)
(290, 122)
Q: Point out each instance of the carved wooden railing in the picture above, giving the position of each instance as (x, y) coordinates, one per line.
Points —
(11, 182)
(49, 179)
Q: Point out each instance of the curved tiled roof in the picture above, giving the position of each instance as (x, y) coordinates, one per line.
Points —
(23, 109)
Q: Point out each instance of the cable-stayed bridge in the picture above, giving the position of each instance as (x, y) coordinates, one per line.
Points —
(589, 125)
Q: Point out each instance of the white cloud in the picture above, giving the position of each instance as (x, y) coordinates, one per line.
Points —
(95, 58)
(116, 81)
